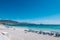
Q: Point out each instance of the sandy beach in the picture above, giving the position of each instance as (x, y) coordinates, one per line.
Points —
(20, 34)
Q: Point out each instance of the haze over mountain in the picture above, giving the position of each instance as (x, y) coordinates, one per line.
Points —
(16, 23)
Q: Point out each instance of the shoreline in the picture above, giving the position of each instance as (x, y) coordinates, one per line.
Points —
(19, 34)
(36, 29)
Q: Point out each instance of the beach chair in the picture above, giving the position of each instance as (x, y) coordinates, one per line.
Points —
(50, 33)
(40, 32)
(57, 35)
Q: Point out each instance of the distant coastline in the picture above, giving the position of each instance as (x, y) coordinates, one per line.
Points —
(11, 22)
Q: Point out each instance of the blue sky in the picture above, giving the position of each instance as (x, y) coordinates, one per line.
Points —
(36, 11)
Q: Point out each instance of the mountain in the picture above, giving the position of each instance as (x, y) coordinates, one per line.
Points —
(15, 23)
(8, 22)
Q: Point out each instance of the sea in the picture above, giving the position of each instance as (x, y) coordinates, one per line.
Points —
(41, 27)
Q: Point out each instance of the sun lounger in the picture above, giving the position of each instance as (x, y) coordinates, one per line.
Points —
(57, 35)
(40, 32)
(50, 33)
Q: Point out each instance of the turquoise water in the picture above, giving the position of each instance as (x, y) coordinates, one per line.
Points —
(50, 28)
(42, 27)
